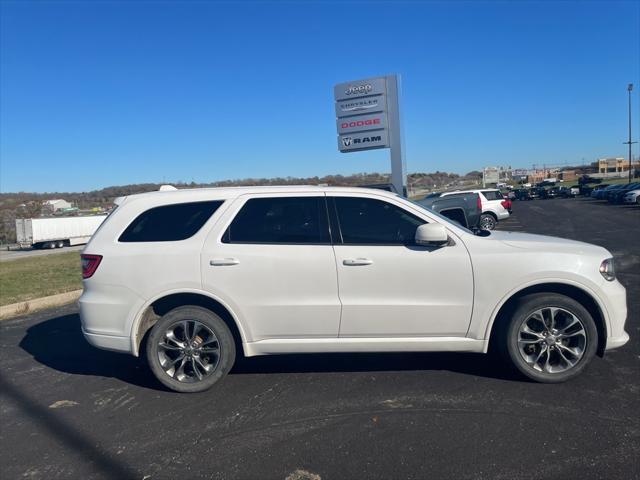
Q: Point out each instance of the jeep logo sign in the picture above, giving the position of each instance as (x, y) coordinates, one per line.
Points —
(360, 88)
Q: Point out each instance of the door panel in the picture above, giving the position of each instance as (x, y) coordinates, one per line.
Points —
(280, 289)
(398, 289)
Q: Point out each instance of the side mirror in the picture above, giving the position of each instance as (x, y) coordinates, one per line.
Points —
(431, 234)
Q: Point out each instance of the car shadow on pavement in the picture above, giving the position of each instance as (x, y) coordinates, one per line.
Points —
(59, 344)
(475, 364)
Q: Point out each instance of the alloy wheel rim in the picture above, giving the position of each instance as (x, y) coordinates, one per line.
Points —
(552, 340)
(487, 223)
(189, 351)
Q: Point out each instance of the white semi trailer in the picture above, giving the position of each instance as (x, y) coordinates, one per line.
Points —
(56, 232)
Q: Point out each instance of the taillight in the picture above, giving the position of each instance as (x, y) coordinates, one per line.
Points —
(89, 264)
(505, 204)
(479, 203)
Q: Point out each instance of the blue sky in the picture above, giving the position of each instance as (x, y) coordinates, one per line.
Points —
(94, 94)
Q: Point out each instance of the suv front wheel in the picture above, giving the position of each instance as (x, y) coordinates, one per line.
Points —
(550, 337)
(190, 349)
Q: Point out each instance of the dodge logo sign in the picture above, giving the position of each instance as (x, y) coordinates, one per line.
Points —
(358, 89)
(346, 141)
(360, 123)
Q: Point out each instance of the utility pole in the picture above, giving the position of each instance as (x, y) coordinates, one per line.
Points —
(629, 88)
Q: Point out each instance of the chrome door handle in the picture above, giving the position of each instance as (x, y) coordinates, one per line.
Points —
(354, 262)
(220, 262)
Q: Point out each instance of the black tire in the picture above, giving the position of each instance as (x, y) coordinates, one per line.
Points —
(221, 362)
(487, 221)
(524, 309)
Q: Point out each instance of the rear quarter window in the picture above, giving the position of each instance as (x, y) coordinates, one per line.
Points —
(492, 195)
(170, 222)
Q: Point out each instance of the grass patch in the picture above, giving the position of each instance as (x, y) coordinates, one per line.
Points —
(35, 277)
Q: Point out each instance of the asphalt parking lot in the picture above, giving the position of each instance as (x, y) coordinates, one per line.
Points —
(70, 411)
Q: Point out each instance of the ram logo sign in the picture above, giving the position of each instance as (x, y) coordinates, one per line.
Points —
(362, 141)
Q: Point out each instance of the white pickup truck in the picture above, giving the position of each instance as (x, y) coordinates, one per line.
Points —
(56, 232)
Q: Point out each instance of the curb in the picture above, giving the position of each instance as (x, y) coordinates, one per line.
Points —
(30, 306)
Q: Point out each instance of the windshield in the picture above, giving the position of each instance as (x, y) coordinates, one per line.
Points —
(442, 217)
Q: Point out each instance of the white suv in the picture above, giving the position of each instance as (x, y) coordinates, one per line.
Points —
(194, 277)
(493, 209)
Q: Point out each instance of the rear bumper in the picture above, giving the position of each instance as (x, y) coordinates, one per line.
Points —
(108, 342)
(106, 315)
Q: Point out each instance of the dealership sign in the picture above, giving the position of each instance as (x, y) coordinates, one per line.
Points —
(368, 117)
(361, 114)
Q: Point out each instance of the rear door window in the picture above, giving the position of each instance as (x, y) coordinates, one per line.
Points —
(286, 220)
(170, 222)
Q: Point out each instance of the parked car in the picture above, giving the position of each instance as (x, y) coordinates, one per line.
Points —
(568, 192)
(612, 191)
(195, 277)
(586, 190)
(463, 208)
(492, 208)
(526, 194)
(617, 195)
(632, 196)
(592, 191)
(545, 193)
(602, 193)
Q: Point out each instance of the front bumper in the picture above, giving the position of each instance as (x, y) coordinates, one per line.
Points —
(617, 342)
(616, 305)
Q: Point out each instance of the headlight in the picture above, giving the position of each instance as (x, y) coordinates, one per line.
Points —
(607, 270)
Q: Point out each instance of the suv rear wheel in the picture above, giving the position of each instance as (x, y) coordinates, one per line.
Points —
(487, 221)
(190, 349)
(550, 337)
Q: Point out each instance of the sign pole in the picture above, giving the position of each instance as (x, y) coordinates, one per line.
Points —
(396, 139)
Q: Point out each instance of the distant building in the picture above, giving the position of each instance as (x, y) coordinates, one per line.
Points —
(613, 165)
(56, 205)
(567, 175)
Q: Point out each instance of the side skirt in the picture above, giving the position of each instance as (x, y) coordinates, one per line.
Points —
(328, 345)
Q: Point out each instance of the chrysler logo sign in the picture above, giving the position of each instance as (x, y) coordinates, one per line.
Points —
(358, 89)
